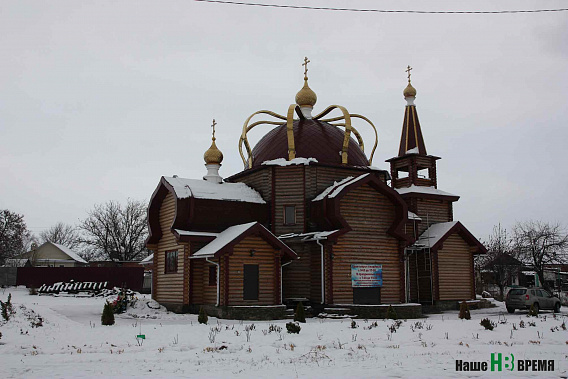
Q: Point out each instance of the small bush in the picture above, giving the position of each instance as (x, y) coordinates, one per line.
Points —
(300, 315)
(533, 312)
(32, 291)
(464, 311)
(202, 318)
(293, 327)
(487, 324)
(391, 313)
(107, 318)
(354, 324)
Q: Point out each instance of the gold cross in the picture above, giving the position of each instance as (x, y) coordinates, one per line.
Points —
(305, 64)
(213, 126)
(408, 70)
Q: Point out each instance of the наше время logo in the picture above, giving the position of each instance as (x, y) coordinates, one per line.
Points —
(500, 362)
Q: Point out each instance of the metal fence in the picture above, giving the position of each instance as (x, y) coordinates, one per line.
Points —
(8, 276)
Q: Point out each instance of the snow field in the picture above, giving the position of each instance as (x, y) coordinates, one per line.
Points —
(73, 343)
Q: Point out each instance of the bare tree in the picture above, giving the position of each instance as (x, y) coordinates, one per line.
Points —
(62, 234)
(115, 232)
(13, 234)
(539, 244)
(500, 259)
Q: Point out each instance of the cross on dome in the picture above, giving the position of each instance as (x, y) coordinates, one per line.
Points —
(408, 71)
(305, 64)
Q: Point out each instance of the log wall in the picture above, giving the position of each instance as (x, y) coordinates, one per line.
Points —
(455, 269)
(432, 212)
(169, 287)
(264, 257)
(370, 215)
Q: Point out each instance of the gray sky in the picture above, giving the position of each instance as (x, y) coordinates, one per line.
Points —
(98, 99)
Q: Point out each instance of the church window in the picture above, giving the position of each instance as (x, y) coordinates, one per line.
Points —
(212, 275)
(171, 262)
(289, 215)
(250, 282)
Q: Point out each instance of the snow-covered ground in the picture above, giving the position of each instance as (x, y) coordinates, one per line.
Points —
(73, 343)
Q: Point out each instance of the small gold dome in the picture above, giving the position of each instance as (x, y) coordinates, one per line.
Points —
(213, 155)
(306, 97)
(409, 91)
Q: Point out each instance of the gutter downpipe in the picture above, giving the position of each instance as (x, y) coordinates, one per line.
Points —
(285, 264)
(322, 273)
(218, 274)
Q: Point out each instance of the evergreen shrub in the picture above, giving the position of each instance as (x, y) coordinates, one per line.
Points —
(464, 311)
(300, 315)
(107, 318)
(202, 318)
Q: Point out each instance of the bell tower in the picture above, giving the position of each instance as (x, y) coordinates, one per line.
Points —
(413, 166)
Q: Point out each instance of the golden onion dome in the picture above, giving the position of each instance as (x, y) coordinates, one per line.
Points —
(409, 91)
(306, 97)
(213, 155)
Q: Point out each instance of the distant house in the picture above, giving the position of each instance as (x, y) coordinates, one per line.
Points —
(53, 255)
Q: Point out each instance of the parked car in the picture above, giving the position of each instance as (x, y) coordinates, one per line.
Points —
(524, 298)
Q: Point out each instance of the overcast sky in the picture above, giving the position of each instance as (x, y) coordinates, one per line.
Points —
(99, 99)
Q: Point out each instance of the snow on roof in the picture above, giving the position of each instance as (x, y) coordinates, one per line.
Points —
(434, 233)
(413, 216)
(202, 189)
(309, 235)
(412, 151)
(148, 260)
(284, 162)
(16, 262)
(337, 187)
(196, 234)
(222, 240)
(73, 255)
(424, 190)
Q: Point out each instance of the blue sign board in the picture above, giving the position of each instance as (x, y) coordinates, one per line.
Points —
(366, 275)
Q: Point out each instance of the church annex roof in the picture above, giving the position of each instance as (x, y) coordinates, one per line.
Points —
(436, 234)
(232, 235)
(202, 189)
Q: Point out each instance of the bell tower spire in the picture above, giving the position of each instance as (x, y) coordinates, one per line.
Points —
(413, 165)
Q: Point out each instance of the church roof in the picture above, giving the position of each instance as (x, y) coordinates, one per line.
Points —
(202, 189)
(313, 139)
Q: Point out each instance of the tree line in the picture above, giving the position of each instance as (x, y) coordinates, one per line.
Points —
(111, 231)
(536, 244)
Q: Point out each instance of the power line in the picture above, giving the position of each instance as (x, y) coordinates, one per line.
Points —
(226, 2)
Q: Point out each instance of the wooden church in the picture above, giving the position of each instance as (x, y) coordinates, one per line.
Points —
(311, 219)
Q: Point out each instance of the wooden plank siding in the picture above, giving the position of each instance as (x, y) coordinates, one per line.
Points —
(289, 190)
(296, 276)
(170, 288)
(203, 293)
(454, 266)
(420, 276)
(370, 215)
(263, 257)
